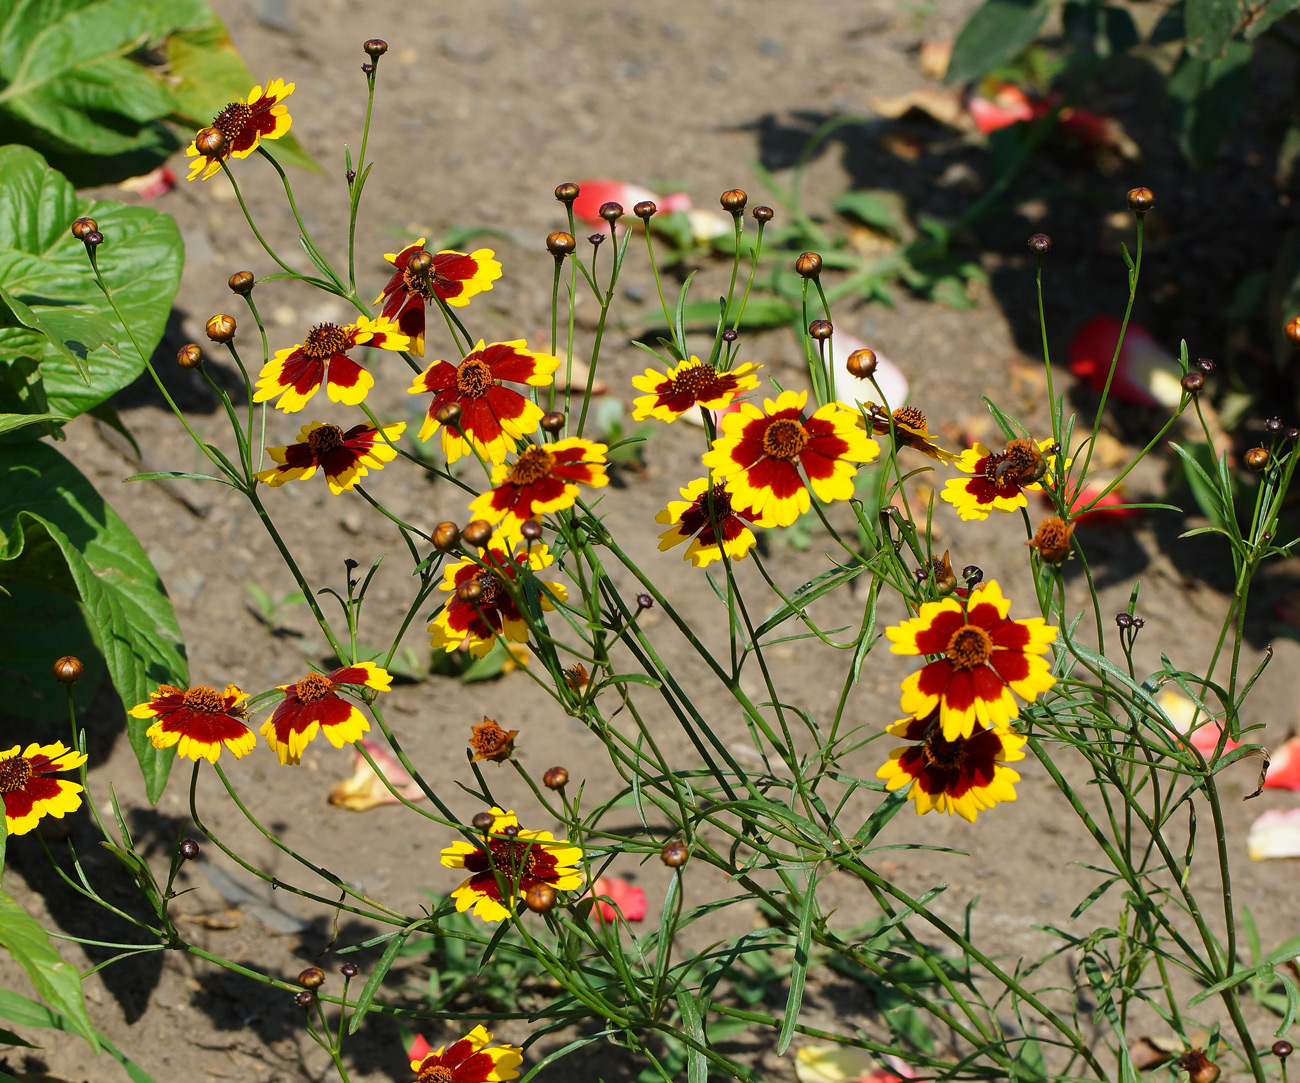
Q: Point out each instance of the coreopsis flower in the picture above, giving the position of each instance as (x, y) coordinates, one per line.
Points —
(482, 611)
(1052, 539)
(1146, 374)
(28, 790)
(492, 416)
(262, 115)
(522, 860)
(344, 456)
(198, 721)
(453, 278)
(490, 742)
(909, 430)
(543, 479)
(711, 520)
(999, 479)
(296, 374)
(760, 454)
(313, 705)
(965, 775)
(982, 658)
(471, 1060)
(689, 384)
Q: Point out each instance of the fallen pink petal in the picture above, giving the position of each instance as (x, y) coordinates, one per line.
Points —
(1182, 712)
(594, 194)
(365, 789)
(629, 898)
(1284, 766)
(150, 185)
(1275, 834)
(1146, 374)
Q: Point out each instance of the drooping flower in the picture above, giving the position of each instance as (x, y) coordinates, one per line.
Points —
(345, 457)
(313, 706)
(198, 721)
(492, 416)
(628, 898)
(453, 278)
(1052, 539)
(490, 742)
(999, 479)
(687, 385)
(983, 658)
(1146, 374)
(473, 1059)
(965, 775)
(28, 790)
(262, 115)
(909, 430)
(543, 479)
(523, 859)
(296, 374)
(707, 514)
(482, 611)
(760, 453)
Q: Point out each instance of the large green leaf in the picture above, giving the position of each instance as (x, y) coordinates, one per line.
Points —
(1208, 98)
(29, 1013)
(57, 982)
(73, 544)
(997, 32)
(46, 275)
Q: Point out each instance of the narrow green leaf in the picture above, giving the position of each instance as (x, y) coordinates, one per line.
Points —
(14, 422)
(800, 970)
(697, 1067)
(375, 980)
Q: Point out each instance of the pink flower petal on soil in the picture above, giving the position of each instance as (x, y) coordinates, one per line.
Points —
(1284, 767)
(630, 899)
(593, 194)
(1182, 712)
(1109, 511)
(848, 388)
(844, 1064)
(1275, 834)
(365, 789)
(1146, 374)
(150, 185)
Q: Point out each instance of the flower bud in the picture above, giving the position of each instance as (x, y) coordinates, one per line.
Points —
(763, 214)
(734, 200)
(674, 854)
(645, 210)
(1206, 364)
(1292, 330)
(553, 422)
(211, 142)
(540, 898)
(531, 529)
(1123, 620)
(242, 282)
(862, 364)
(1199, 1067)
(375, 48)
(305, 999)
(567, 192)
(449, 414)
(470, 590)
(1193, 381)
(1273, 425)
(349, 970)
(809, 265)
(560, 244)
(367, 68)
(350, 175)
(556, 778)
(1282, 1049)
(1291, 433)
(93, 239)
(420, 263)
(595, 239)
(221, 328)
(821, 330)
(482, 821)
(82, 226)
(477, 532)
(730, 335)
(189, 850)
(189, 356)
(312, 978)
(67, 670)
(1040, 244)
(351, 563)
(1257, 458)
(611, 211)
(446, 536)
(644, 601)
(1141, 200)
(973, 574)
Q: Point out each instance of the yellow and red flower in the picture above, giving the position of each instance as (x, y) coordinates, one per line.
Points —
(999, 479)
(543, 479)
(471, 1060)
(909, 430)
(517, 863)
(313, 706)
(28, 791)
(198, 721)
(492, 416)
(345, 457)
(711, 520)
(454, 278)
(480, 607)
(296, 374)
(982, 658)
(691, 383)
(965, 775)
(760, 453)
(262, 115)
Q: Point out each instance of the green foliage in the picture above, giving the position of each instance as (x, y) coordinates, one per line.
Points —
(994, 35)
(30, 1013)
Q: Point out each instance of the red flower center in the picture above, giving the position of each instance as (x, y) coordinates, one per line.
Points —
(326, 439)
(473, 378)
(513, 857)
(784, 439)
(231, 120)
(533, 465)
(435, 1073)
(204, 700)
(312, 687)
(943, 755)
(325, 340)
(15, 773)
(969, 647)
(697, 381)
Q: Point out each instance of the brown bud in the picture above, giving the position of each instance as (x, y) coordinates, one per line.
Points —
(560, 244)
(470, 590)
(1206, 364)
(531, 529)
(644, 601)
(809, 265)
(449, 414)
(93, 239)
(821, 330)
(1052, 540)
(1257, 458)
(67, 670)
(482, 821)
(611, 211)
(477, 532)
(312, 978)
(674, 854)
(1273, 425)
(556, 778)
(211, 142)
(305, 999)
(1292, 330)
(189, 850)
(567, 192)
(763, 214)
(540, 898)
(82, 226)
(1193, 381)
(595, 239)
(189, 356)
(1040, 244)
(221, 328)
(730, 335)
(242, 282)
(420, 263)
(553, 422)
(1199, 1067)
(734, 200)
(1292, 433)
(446, 536)
(375, 48)
(367, 68)
(1141, 200)
(862, 364)
(645, 210)
(349, 970)
(1282, 1049)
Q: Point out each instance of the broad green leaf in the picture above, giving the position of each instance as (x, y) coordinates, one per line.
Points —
(13, 422)
(995, 34)
(878, 210)
(41, 620)
(57, 982)
(1210, 24)
(1208, 97)
(45, 270)
(47, 503)
(29, 1013)
(1271, 12)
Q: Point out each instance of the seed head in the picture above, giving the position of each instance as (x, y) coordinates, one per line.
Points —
(821, 330)
(553, 422)
(211, 142)
(67, 670)
(189, 850)
(1193, 381)
(1141, 200)
(567, 192)
(611, 211)
(305, 999)
(645, 210)
(540, 898)
(734, 200)
(312, 978)
(375, 48)
(809, 265)
(862, 364)
(189, 356)
(1257, 458)
(242, 282)
(1052, 540)
(674, 854)
(556, 778)
(449, 414)
(1040, 244)
(446, 536)
(477, 532)
(763, 214)
(560, 244)
(82, 226)
(349, 970)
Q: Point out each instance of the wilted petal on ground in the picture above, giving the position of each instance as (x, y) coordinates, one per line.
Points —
(1181, 711)
(842, 1064)
(1275, 834)
(365, 789)
(1146, 374)
(629, 898)
(150, 185)
(1284, 766)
